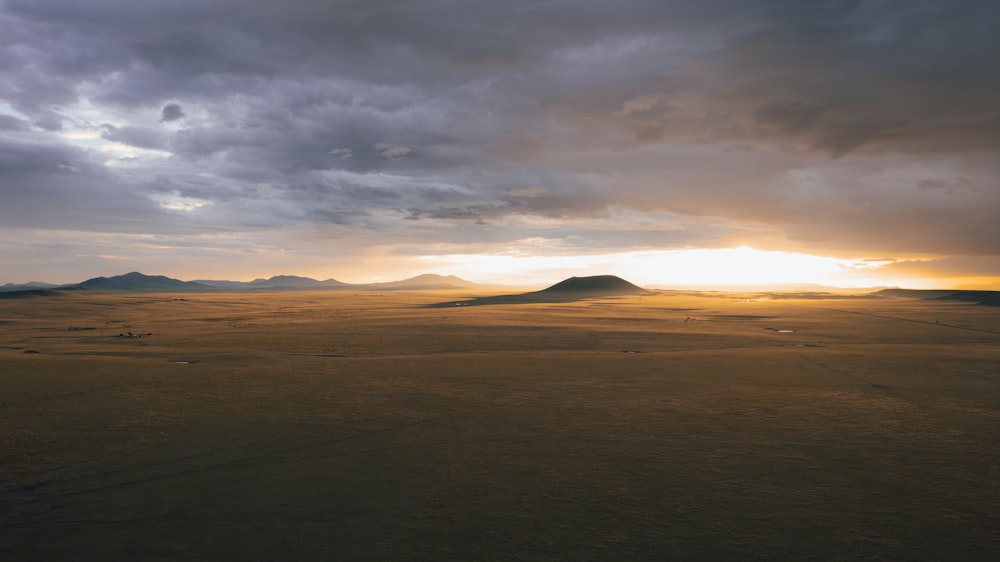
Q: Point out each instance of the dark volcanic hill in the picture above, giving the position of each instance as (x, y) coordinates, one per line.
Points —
(597, 285)
(568, 290)
(136, 281)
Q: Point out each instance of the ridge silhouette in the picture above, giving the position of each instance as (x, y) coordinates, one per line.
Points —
(568, 290)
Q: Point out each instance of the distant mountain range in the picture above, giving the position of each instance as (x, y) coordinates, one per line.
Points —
(276, 282)
(573, 288)
(29, 286)
(140, 282)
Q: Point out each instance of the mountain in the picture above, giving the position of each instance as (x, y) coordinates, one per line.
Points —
(226, 285)
(136, 281)
(277, 282)
(597, 285)
(568, 290)
(421, 282)
(425, 282)
(29, 286)
(293, 282)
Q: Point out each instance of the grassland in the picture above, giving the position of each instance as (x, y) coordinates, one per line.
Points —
(326, 426)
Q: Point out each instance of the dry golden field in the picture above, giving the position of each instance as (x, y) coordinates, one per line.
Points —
(338, 426)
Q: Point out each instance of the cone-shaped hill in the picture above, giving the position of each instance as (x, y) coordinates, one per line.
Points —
(597, 285)
(568, 290)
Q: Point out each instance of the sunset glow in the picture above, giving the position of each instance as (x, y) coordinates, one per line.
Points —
(726, 267)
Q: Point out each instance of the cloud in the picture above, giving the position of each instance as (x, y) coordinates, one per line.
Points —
(526, 192)
(952, 266)
(140, 137)
(21, 158)
(11, 123)
(171, 112)
(834, 126)
(787, 116)
(50, 187)
(48, 121)
(391, 151)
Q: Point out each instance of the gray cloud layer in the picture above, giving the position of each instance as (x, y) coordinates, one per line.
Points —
(846, 126)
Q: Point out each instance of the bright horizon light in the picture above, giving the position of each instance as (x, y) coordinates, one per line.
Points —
(742, 266)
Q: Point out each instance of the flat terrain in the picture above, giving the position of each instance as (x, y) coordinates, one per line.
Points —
(331, 426)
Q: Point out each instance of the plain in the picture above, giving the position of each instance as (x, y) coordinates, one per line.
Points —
(334, 425)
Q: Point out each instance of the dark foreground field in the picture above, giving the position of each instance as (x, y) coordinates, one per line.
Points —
(332, 426)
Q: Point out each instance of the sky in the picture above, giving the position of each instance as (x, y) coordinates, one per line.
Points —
(850, 143)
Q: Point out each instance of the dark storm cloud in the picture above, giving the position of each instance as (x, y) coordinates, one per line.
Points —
(11, 123)
(141, 137)
(843, 76)
(838, 76)
(171, 112)
(19, 158)
(474, 112)
(907, 77)
(48, 185)
(49, 121)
